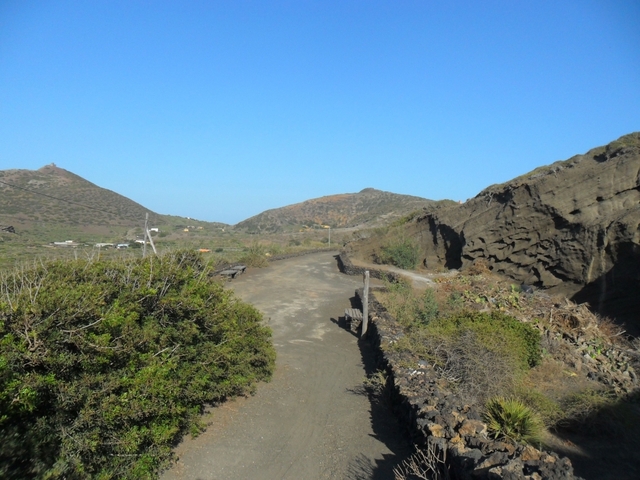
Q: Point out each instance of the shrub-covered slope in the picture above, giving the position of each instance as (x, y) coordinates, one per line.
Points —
(476, 356)
(29, 199)
(104, 365)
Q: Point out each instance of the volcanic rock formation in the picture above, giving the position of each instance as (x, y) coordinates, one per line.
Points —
(573, 225)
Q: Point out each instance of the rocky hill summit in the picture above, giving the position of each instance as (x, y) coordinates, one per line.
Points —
(54, 195)
(369, 206)
(572, 226)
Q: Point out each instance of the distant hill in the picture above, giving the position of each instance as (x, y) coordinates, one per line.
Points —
(367, 207)
(52, 198)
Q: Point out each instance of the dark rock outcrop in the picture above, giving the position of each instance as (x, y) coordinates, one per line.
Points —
(573, 225)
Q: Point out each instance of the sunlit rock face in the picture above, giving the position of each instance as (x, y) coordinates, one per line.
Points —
(572, 226)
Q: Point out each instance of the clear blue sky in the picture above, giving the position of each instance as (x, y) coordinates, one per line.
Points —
(220, 110)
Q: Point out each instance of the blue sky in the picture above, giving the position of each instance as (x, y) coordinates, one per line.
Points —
(221, 110)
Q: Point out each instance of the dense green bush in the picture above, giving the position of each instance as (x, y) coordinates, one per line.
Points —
(105, 364)
(402, 253)
(496, 331)
(482, 354)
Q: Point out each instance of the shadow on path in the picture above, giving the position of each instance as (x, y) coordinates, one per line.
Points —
(386, 427)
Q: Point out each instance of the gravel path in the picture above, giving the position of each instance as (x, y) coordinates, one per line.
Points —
(313, 420)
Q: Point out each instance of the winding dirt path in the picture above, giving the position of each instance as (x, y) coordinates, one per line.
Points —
(313, 420)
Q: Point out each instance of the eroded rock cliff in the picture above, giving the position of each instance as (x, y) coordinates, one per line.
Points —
(572, 226)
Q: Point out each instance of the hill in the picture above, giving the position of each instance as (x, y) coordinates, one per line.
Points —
(572, 226)
(31, 197)
(367, 207)
(52, 196)
(54, 205)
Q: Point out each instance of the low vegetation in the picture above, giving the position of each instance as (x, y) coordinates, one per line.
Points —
(511, 419)
(521, 356)
(403, 253)
(407, 306)
(105, 364)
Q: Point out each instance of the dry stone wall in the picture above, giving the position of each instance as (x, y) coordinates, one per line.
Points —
(436, 418)
(346, 266)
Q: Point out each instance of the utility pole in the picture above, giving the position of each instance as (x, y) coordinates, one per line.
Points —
(329, 236)
(144, 242)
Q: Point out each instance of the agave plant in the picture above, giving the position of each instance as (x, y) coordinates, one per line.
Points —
(510, 418)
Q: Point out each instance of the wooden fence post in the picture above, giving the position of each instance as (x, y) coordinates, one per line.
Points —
(365, 304)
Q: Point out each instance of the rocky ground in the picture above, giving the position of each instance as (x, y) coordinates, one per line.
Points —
(583, 352)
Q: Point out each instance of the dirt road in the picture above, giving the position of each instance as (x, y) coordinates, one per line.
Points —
(313, 420)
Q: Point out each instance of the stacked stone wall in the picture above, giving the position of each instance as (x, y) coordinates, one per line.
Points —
(437, 419)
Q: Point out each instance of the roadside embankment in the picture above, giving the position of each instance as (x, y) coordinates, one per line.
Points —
(347, 267)
(439, 421)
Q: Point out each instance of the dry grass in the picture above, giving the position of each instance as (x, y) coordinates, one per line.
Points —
(479, 267)
(427, 464)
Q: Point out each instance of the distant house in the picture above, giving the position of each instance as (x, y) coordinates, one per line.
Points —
(104, 245)
(154, 229)
(122, 245)
(66, 243)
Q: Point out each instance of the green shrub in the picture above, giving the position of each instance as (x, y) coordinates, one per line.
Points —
(407, 306)
(481, 354)
(496, 331)
(403, 254)
(511, 419)
(105, 364)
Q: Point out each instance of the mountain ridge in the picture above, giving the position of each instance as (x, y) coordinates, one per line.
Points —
(52, 194)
